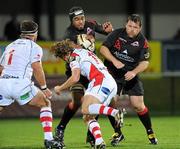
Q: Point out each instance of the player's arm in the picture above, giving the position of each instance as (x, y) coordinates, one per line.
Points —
(40, 78)
(75, 76)
(107, 54)
(39, 73)
(104, 28)
(143, 63)
(139, 68)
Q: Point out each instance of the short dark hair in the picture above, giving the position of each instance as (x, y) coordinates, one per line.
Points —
(62, 48)
(75, 11)
(28, 27)
(135, 18)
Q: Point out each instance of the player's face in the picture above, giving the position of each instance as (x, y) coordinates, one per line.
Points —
(133, 28)
(78, 22)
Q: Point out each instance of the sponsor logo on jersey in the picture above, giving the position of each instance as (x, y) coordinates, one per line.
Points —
(125, 52)
(117, 44)
(146, 55)
(122, 39)
(124, 57)
(135, 44)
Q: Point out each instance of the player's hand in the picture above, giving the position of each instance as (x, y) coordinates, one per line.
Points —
(91, 38)
(57, 89)
(107, 27)
(129, 75)
(47, 93)
(118, 64)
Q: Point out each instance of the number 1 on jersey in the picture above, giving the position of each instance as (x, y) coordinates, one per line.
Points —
(10, 57)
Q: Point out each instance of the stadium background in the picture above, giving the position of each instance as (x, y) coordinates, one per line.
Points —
(160, 23)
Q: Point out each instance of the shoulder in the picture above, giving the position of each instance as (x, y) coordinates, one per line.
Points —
(116, 32)
(142, 39)
(36, 46)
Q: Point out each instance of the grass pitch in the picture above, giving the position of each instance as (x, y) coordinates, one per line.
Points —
(27, 134)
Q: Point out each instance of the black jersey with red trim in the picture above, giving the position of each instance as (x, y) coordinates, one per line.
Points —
(130, 51)
(90, 28)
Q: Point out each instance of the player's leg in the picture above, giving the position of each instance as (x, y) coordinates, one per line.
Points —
(77, 92)
(117, 137)
(46, 119)
(92, 105)
(143, 114)
(90, 138)
(26, 93)
(94, 128)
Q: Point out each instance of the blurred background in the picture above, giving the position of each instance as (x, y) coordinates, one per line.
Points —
(161, 26)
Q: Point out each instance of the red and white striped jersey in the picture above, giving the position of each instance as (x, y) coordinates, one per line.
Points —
(90, 65)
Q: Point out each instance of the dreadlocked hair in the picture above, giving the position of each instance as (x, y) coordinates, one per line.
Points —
(62, 48)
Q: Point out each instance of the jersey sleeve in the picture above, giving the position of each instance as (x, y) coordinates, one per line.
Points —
(75, 61)
(145, 53)
(37, 54)
(74, 64)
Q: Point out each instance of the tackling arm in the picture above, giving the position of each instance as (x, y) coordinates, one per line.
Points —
(141, 67)
(72, 80)
(107, 54)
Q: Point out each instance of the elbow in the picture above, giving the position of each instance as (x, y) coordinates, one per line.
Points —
(75, 79)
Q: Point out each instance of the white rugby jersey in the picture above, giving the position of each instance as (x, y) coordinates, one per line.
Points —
(90, 65)
(18, 57)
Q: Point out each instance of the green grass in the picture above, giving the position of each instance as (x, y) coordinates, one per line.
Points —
(27, 134)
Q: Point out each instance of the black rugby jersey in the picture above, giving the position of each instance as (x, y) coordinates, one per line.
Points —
(130, 51)
(90, 28)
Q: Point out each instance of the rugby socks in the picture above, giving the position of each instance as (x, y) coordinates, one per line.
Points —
(94, 128)
(145, 119)
(46, 121)
(101, 109)
(69, 112)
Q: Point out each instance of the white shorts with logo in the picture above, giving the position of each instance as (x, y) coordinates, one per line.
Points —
(105, 91)
(20, 90)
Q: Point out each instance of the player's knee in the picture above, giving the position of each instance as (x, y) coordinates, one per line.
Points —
(88, 117)
(84, 110)
(139, 108)
(40, 101)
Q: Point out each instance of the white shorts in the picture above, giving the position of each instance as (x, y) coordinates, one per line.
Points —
(104, 92)
(20, 90)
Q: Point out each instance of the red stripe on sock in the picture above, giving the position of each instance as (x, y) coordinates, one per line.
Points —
(47, 129)
(101, 110)
(143, 112)
(98, 136)
(109, 111)
(95, 129)
(45, 119)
